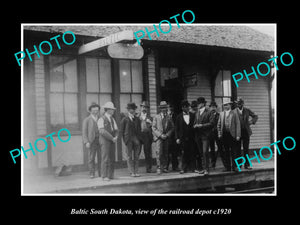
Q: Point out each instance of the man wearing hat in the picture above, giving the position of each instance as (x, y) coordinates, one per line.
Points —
(108, 130)
(90, 136)
(173, 149)
(146, 137)
(213, 139)
(244, 114)
(162, 129)
(194, 107)
(229, 131)
(203, 125)
(131, 130)
(184, 135)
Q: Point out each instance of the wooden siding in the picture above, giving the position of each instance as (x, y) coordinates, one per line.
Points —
(203, 88)
(40, 95)
(256, 97)
(152, 85)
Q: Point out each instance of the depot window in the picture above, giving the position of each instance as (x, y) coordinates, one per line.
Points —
(63, 96)
(223, 90)
(98, 81)
(131, 83)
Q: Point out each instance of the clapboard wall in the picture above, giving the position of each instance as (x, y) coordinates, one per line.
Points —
(256, 95)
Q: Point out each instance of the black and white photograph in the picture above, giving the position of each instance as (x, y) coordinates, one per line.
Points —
(149, 109)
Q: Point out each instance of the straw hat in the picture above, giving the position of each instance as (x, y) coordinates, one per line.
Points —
(108, 105)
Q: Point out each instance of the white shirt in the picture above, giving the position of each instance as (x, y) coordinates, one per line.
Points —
(201, 110)
(95, 118)
(240, 110)
(143, 115)
(162, 115)
(227, 112)
(101, 122)
(186, 118)
(130, 116)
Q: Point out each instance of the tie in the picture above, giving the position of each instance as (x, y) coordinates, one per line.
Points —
(112, 124)
(164, 121)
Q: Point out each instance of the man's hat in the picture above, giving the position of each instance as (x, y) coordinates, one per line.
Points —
(145, 103)
(185, 103)
(93, 104)
(108, 105)
(213, 103)
(201, 100)
(131, 105)
(194, 104)
(240, 100)
(163, 104)
(227, 101)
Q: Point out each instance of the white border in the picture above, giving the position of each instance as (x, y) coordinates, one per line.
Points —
(147, 24)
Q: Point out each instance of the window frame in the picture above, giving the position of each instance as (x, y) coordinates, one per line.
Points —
(87, 92)
(131, 92)
(222, 97)
(76, 127)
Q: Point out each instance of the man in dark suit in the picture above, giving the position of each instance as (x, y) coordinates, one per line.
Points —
(213, 139)
(131, 130)
(162, 129)
(174, 152)
(146, 134)
(229, 131)
(90, 136)
(203, 125)
(184, 135)
(244, 114)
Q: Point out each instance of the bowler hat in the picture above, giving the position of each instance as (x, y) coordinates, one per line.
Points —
(201, 100)
(227, 101)
(108, 105)
(93, 104)
(194, 104)
(213, 103)
(131, 105)
(163, 104)
(240, 100)
(145, 103)
(185, 103)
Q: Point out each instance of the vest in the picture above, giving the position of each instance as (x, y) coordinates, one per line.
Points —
(226, 122)
(108, 126)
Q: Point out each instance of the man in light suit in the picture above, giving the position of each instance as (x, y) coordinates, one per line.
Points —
(90, 136)
(229, 131)
(244, 114)
(162, 129)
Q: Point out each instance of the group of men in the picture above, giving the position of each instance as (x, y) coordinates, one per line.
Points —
(187, 140)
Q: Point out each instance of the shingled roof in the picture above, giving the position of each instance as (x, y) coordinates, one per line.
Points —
(232, 36)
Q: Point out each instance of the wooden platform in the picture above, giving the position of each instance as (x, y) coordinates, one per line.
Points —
(173, 182)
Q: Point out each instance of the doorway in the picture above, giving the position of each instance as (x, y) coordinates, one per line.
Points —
(172, 93)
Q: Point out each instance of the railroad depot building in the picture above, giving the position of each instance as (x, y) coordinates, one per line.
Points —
(189, 62)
